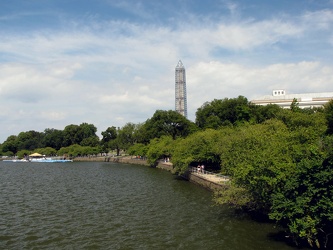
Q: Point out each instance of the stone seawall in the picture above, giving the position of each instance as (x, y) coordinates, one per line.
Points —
(198, 179)
(126, 159)
(205, 182)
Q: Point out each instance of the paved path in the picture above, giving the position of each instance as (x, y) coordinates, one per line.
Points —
(211, 177)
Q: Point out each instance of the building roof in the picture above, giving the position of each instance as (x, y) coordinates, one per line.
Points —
(297, 96)
(305, 100)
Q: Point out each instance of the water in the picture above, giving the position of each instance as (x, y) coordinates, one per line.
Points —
(116, 206)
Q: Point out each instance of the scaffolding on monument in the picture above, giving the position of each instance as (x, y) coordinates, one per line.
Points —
(180, 89)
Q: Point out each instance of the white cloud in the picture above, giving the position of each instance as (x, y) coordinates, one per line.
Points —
(322, 19)
(112, 72)
(53, 116)
(216, 80)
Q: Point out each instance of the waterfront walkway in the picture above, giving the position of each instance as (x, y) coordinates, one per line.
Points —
(210, 176)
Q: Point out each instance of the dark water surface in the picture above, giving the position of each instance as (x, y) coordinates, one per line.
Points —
(116, 206)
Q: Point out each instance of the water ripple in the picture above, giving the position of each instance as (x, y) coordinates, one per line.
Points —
(112, 206)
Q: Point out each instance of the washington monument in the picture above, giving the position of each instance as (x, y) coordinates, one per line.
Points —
(180, 89)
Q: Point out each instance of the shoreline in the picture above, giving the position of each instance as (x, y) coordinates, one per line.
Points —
(210, 182)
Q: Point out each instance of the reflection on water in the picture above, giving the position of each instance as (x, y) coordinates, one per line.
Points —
(116, 206)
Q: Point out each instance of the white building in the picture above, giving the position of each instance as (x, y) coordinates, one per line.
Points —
(284, 100)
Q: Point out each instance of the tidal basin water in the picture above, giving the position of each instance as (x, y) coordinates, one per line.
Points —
(116, 206)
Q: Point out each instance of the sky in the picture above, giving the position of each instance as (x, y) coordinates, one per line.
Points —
(108, 62)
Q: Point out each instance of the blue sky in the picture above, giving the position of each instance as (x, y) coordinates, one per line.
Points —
(111, 62)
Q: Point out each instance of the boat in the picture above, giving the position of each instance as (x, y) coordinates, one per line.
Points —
(36, 157)
(48, 160)
(16, 160)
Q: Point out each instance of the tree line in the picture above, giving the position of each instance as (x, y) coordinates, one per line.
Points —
(280, 160)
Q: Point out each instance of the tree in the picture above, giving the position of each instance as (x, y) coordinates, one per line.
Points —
(223, 112)
(200, 147)
(92, 141)
(138, 149)
(109, 139)
(258, 158)
(10, 145)
(168, 123)
(306, 127)
(109, 134)
(71, 135)
(159, 148)
(30, 140)
(126, 136)
(140, 134)
(74, 134)
(53, 138)
(87, 130)
(328, 110)
(260, 114)
(294, 106)
(305, 204)
(47, 151)
(78, 150)
(23, 153)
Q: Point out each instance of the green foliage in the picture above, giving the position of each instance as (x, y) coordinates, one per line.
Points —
(159, 148)
(258, 158)
(328, 110)
(327, 145)
(234, 112)
(280, 161)
(92, 141)
(305, 204)
(259, 113)
(138, 149)
(294, 106)
(77, 150)
(168, 123)
(233, 195)
(74, 134)
(22, 153)
(120, 138)
(83, 134)
(277, 168)
(53, 138)
(223, 112)
(48, 151)
(296, 120)
(8, 153)
(200, 147)
(109, 136)
(10, 145)
(29, 140)
(126, 136)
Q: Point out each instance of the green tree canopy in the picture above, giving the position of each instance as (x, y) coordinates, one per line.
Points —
(53, 138)
(328, 109)
(305, 203)
(168, 123)
(200, 147)
(126, 136)
(30, 140)
(223, 112)
(10, 144)
(159, 148)
(110, 140)
(75, 134)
